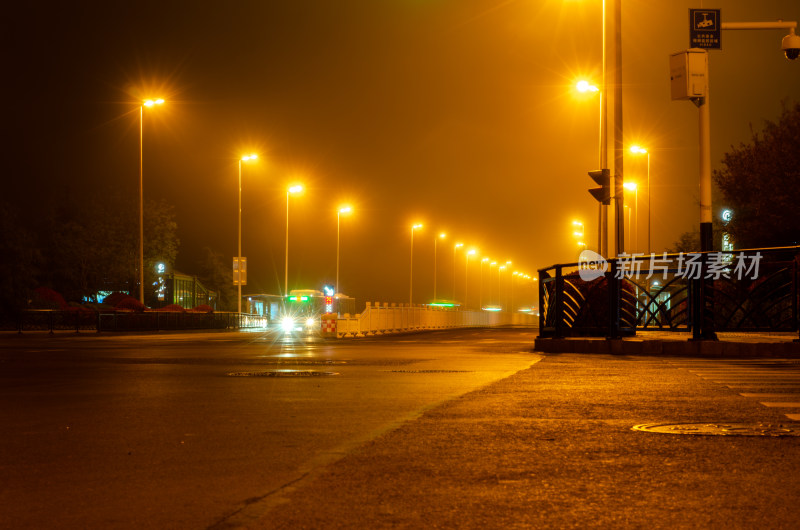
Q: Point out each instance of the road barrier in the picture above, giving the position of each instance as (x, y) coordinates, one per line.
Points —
(381, 319)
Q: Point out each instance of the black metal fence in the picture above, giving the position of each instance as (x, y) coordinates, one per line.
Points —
(700, 292)
(79, 320)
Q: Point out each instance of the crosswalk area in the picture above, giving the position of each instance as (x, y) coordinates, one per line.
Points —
(774, 383)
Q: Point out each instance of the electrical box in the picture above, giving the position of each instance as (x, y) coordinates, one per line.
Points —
(688, 74)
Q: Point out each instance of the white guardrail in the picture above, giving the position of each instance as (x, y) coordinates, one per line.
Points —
(380, 319)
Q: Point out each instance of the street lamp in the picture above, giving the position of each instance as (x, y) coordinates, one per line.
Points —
(145, 103)
(471, 252)
(632, 186)
(411, 268)
(480, 288)
(435, 241)
(635, 149)
(585, 87)
(239, 271)
(492, 264)
(500, 269)
(455, 247)
(297, 188)
(344, 209)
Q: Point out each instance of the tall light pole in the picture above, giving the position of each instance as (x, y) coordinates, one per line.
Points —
(480, 288)
(297, 188)
(239, 270)
(145, 103)
(492, 264)
(471, 252)
(344, 209)
(588, 88)
(435, 241)
(508, 268)
(500, 270)
(642, 151)
(411, 268)
(632, 186)
(455, 247)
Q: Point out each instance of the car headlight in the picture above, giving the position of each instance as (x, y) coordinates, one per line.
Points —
(310, 322)
(287, 324)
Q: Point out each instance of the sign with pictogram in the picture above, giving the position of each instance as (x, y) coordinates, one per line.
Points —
(704, 28)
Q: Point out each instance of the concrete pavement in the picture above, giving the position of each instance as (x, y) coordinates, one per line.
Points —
(552, 446)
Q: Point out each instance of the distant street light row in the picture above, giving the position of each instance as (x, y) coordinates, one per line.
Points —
(467, 255)
(241, 268)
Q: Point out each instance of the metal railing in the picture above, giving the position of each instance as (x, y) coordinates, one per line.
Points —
(85, 320)
(752, 290)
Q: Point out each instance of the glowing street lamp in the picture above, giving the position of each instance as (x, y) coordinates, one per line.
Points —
(411, 269)
(239, 268)
(145, 103)
(435, 241)
(632, 186)
(480, 288)
(491, 264)
(471, 252)
(455, 247)
(339, 212)
(297, 188)
(637, 150)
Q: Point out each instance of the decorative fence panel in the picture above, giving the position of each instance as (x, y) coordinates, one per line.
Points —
(702, 292)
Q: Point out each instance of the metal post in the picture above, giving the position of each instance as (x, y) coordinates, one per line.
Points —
(141, 205)
(614, 285)
(239, 255)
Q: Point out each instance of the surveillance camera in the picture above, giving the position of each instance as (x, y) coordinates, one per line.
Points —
(791, 46)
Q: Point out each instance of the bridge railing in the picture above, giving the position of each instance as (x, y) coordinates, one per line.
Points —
(379, 319)
(751, 290)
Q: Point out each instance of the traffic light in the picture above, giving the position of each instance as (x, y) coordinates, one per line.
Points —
(603, 193)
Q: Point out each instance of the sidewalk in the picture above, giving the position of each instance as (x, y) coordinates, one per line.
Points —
(553, 447)
(672, 344)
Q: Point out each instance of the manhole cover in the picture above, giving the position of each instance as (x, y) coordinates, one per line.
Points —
(719, 429)
(282, 373)
(431, 371)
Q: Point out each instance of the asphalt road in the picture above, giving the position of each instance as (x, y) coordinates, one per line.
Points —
(184, 430)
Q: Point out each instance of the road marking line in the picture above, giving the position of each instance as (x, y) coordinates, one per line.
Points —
(795, 417)
(786, 404)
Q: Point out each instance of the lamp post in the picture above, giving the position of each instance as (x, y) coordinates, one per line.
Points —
(239, 254)
(339, 212)
(491, 264)
(435, 241)
(471, 252)
(642, 151)
(480, 288)
(455, 248)
(586, 87)
(411, 268)
(297, 188)
(500, 284)
(145, 103)
(632, 186)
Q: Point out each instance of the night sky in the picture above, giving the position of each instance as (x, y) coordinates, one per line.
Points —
(459, 114)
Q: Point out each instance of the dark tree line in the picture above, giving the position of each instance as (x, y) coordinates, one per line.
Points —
(80, 247)
(760, 182)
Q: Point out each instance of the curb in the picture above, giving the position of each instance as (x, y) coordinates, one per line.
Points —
(668, 347)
